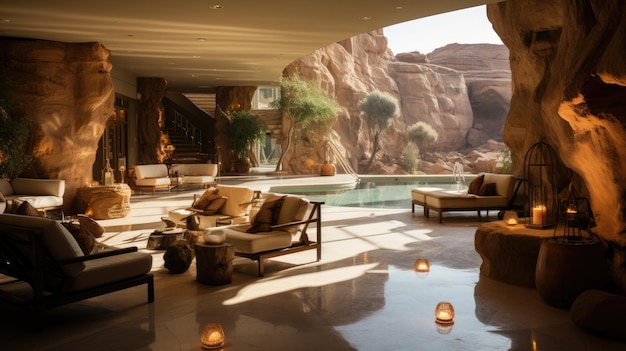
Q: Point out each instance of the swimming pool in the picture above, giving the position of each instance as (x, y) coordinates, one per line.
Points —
(372, 194)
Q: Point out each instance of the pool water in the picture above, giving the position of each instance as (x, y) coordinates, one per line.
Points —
(373, 194)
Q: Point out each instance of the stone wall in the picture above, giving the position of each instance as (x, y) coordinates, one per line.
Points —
(67, 91)
(567, 63)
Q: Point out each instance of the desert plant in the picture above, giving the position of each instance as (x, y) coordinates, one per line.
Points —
(409, 158)
(14, 134)
(308, 108)
(377, 110)
(422, 134)
(505, 160)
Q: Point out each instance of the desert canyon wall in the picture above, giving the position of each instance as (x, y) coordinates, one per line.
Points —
(569, 78)
(462, 91)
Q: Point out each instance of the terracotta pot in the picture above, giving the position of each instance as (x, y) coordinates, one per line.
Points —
(327, 169)
(565, 270)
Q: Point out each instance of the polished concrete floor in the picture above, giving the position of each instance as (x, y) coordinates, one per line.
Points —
(362, 295)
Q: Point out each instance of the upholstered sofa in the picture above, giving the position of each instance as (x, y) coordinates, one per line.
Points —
(202, 174)
(42, 194)
(152, 176)
(42, 255)
(277, 227)
(494, 192)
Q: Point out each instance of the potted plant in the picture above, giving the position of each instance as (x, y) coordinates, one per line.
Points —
(244, 129)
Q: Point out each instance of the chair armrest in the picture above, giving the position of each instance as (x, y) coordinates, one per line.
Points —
(99, 255)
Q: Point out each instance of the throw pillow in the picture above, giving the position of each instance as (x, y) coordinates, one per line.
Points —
(206, 198)
(214, 206)
(26, 209)
(85, 240)
(267, 216)
(488, 189)
(2, 198)
(90, 225)
(475, 185)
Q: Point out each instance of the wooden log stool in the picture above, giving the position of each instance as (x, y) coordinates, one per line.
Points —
(214, 263)
(161, 239)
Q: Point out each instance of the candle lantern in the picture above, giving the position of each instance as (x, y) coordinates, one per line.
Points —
(540, 174)
(212, 336)
(576, 218)
(421, 265)
(444, 313)
(510, 218)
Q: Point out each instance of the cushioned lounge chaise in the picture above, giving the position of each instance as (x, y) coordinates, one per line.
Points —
(495, 192)
(49, 266)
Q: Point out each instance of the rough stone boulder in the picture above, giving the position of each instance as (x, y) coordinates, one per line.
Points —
(67, 91)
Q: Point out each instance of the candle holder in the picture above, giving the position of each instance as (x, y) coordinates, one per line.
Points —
(510, 218)
(212, 336)
(575, 215)
(421, 265)
(540, 174)
(444, 313)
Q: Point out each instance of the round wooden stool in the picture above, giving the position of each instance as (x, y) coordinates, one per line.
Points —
(214, 263)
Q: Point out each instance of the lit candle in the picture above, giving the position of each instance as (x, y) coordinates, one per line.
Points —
(571, 213)
(512, 221)
(444, 312)
(539, 215)
(421, 265)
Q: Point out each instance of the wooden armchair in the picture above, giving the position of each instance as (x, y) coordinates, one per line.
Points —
(48, 268)
(286, 235)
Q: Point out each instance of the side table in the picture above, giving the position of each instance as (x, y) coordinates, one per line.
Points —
(214, 263)
(104, 201)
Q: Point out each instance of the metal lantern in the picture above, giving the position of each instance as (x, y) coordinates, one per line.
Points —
(540, 175)
(212, 336)
(576, 217)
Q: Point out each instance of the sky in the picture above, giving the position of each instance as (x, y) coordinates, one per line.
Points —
(467, 26)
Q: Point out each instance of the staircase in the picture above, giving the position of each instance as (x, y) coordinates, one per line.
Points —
(186, 140)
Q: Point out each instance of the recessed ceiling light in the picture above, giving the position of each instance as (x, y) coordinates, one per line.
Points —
(399, 7)
(201, 39)
(216, 7)
(196, 56)
(366, 18)
(5, 20)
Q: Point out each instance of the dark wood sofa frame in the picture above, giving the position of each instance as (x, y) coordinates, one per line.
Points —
(24, 257)
(315, 216)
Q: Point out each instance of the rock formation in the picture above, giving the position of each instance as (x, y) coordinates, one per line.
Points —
(567, 63)
(151, 119)
(66, 89)
(460, 98)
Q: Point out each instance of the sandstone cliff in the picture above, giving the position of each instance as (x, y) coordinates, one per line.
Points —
(455, 92)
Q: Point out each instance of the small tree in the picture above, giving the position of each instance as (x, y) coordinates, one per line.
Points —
(422, 134)
(307, 107)
(377, 109)
(244, 130)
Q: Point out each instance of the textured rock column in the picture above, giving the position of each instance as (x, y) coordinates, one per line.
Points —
(67, 91)
(229, 99)
(150, 120)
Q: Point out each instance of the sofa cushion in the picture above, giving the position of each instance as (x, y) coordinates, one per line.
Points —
(214, 206)
(151, 171)
(196, 169)
(505, 184)
(153, 181)
(41, 201)
(419, 194)
(85, 240)
(238, 200)
(267, 215)
(206, 198)
(38, 187)
(487, 189)
(251, 243)
(5, 187)
(456, 200)
(110, 269)
(26, 209)
(475, 185)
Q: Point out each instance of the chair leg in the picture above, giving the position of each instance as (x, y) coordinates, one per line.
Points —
(261, 267)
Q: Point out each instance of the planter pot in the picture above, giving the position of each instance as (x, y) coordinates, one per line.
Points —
(565, 270)
(241, 166)
(327, 169)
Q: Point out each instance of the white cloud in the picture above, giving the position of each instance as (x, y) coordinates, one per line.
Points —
(468, 26)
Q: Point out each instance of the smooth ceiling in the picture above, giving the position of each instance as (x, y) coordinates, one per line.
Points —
(196, 46)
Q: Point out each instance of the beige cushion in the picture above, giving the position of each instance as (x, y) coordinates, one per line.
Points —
(153, 181)
(238, 200)
(505, 183)
(462, 200)
(45, 187)
(151, 171)
(196, 179)
(419, 194)
(196, 169)
(41, 201)
(107, 270)
(57, 239)
(257, 242)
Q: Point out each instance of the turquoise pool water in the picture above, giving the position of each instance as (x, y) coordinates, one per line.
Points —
(368, 194)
